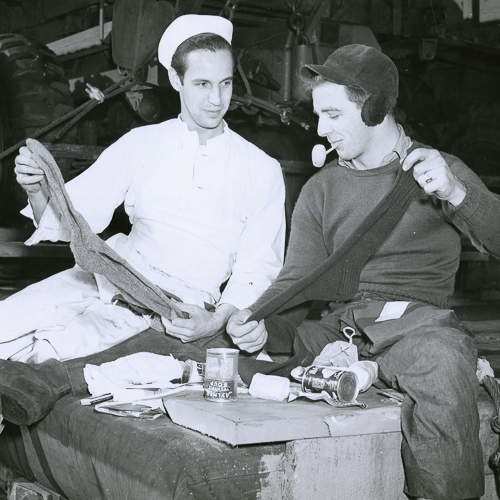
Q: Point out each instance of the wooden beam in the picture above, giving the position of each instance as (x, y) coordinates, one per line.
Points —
(76, 151)
(12, 245)
(14, 249)
(297, 167)
(84, 40)
(252, 420)
(473, 256)
(491, 180)
(488, 326)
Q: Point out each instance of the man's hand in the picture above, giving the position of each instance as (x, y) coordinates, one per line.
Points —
(30, 177)
(201, 323)
(433, 174)
(28, 174)
(248, 337)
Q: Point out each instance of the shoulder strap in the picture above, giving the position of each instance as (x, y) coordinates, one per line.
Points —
(337, 278)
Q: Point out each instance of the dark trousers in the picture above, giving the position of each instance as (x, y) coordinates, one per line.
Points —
(435, 366)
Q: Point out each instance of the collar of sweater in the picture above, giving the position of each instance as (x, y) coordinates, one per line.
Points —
(398, 152)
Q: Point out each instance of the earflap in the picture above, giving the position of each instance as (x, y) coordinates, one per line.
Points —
(375, 108)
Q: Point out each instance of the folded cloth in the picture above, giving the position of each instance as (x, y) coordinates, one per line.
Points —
(484, 369)
(367, 373)
(338, 353)
(91, 252)
(136, 369)
(269, 387)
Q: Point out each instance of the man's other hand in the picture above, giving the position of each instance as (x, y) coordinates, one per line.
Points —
(250, 336)
(28, 174)
(201, 323)
(433, 174)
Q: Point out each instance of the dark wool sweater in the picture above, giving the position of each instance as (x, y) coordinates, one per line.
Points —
(418, 259)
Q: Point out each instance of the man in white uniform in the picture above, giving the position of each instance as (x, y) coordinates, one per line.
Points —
(205, 205)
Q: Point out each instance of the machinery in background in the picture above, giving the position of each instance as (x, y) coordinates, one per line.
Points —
(78, 74)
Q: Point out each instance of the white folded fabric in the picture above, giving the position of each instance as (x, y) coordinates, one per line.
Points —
(367, 373)
(269, 387)
(135, 369)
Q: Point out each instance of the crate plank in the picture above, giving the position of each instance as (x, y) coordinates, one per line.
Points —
(252, 420)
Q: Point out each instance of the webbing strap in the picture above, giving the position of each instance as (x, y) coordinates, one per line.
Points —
(493, 389)
(37, 460)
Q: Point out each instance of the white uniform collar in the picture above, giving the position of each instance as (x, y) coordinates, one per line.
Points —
(183, 132)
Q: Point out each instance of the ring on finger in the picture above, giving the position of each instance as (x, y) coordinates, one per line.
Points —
(427, 178)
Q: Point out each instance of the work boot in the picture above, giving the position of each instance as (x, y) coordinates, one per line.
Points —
(28, 392)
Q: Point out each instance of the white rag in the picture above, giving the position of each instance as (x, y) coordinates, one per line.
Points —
(136, 369)
(269, 387)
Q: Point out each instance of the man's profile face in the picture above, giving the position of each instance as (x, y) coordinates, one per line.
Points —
(339, 120)
(206, 90)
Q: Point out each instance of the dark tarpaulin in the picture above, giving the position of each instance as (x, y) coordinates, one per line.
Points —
(96, 456)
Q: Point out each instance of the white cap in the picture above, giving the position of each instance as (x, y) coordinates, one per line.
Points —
(185, 27)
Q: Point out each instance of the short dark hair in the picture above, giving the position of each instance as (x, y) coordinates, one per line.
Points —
(355, 94)
(203, 41)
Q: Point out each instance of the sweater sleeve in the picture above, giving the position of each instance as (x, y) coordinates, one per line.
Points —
(306, 248)
(478, 215)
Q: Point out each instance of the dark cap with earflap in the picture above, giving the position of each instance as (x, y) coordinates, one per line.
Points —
(367, 68)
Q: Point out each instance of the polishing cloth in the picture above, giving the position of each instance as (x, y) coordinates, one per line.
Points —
(269, 387)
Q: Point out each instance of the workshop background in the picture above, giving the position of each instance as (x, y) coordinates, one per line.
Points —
(78, 74)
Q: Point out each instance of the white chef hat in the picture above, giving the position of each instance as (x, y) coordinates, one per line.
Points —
(189, 25)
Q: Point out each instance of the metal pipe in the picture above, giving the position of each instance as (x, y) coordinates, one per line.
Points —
(287, 67)
(80, 111)
(101, 20)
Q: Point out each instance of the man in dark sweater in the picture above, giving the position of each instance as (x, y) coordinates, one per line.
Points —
(377, 234)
